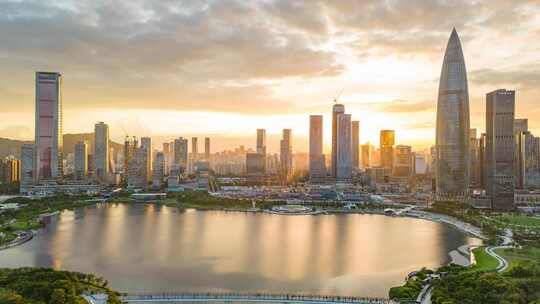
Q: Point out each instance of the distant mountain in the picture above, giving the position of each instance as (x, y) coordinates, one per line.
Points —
(13, 146)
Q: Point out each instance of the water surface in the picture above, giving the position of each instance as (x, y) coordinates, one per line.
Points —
(151, 248)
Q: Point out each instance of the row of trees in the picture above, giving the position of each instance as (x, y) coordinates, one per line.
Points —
(519, 285)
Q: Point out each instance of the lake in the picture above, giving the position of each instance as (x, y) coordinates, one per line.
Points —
(151, 248)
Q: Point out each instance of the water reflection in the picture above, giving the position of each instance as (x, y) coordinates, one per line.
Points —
(145, 247)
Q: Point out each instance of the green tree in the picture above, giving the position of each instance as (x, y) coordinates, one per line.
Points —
(58, 296)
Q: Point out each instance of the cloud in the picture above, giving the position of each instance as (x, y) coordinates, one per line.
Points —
(403, 106)
(524, 77)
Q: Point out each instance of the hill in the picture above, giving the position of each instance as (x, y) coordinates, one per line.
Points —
(13, 146)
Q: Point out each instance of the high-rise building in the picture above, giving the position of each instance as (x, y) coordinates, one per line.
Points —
(207, 148)
(500, 148)
(261, 141)
(81, 160)
(48, 136)
(521, 125)
(527, 161)
(137, 169)
(356, 144)
(180, 156)
(344, 148)
(101, 151)
(387, 142)
(130, 145)
(255, 163)
(28, 168)
(474, 159)
(403, 165)
(482, 160)
(158, 172)
(10, 170)
(452, 135)
(317, 167)
(194, 146)
(146, 142)
(286, 153)
(167, 156)
(366, 153)
(420, 164)
(337, 109)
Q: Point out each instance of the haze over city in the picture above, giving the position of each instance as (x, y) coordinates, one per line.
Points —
(225, 68)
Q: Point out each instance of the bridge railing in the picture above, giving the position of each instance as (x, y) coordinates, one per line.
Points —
(133, 297)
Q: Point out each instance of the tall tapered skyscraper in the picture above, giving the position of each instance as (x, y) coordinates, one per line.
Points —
(452, 138)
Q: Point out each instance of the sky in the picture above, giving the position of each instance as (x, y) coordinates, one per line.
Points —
(224, 68)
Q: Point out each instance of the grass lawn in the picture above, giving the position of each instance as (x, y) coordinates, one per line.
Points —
(484, 262)
(517, 256)
(25, 225)
(522, 220)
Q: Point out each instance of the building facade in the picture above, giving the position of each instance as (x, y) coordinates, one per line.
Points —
(48, 136)
(344, 148)
(146, 142)
(500, 148)
(261, 141)
(337, 109)
(387, 142)
(80, 161)
(452, 131)
(101, 151)
(356, 144)
(527, 161)
(317, 166)
(403, 165)
(286, 157)
(207, 148)
(28, 167)
(158, 172)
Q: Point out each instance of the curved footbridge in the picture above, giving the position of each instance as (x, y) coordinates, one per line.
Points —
(246, 298)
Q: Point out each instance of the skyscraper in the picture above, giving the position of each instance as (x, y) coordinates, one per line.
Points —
(137, 169)
(49, 121)
(101, 151)
(474, 159)
(337, 109)
(403, 165)
(207, 148)
(28, 168)
(521, 125)
(81, 160)
(194, 146)
(344, 148)
(181, 153)
(261, 141)
(146, 142)
(387, 142)
(366, 152)
(130, 145)
(500, 147)
(452, 135)
(317, 168)
(158, 171)
(356, 144)
(527, 161)
(286, 153)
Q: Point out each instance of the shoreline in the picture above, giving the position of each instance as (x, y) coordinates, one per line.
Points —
(23, 236)
(423, 215)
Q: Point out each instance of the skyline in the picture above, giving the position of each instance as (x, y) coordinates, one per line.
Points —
(283, 95)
